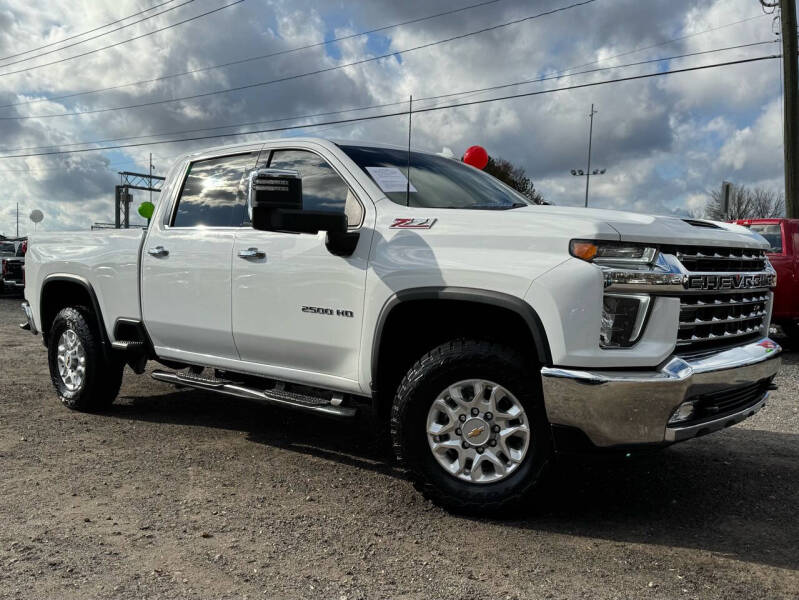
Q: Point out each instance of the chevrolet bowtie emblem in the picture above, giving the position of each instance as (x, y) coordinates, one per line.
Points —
(475, 432)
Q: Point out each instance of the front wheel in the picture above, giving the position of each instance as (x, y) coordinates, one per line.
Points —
(469, 423)
(83, 377)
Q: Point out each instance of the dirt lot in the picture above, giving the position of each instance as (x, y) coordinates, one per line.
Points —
(182, 494)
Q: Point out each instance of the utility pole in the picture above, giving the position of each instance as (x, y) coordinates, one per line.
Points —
(791, 76)
(151, 176)
(587, 173)
(790, 70)
(590, 139)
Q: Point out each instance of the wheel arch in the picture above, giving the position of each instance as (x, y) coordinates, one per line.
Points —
(62, 290)
(510, 310)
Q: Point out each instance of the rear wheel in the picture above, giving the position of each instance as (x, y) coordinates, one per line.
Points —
(83, 377)
(469, 423)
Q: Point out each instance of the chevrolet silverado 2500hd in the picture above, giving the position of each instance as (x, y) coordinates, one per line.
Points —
(489, 333)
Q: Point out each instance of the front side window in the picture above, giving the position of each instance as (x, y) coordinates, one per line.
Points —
(322, 187)
(772, 233)
(214, 193)
(435, 181)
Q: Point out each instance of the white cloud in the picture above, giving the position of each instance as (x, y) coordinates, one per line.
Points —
(665, 142)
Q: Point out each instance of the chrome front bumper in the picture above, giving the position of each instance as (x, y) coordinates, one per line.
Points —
(620, 408)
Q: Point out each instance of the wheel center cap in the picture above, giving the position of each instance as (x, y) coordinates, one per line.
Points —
(476, 431)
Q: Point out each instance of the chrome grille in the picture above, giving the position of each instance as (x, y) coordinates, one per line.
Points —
(709, 319)
(709, 259)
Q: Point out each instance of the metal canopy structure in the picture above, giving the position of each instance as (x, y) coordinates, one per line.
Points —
(123, 198)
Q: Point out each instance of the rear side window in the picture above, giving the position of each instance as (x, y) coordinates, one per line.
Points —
(773, 235)
(214, 193)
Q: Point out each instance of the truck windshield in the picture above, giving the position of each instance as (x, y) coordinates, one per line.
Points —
(772, 233)
(436, 182)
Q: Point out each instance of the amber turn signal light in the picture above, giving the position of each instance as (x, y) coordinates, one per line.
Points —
(584, 250)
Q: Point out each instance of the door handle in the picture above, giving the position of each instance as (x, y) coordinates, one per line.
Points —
(252, 253)
(158, 251)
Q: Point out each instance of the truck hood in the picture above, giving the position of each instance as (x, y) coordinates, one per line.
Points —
(635, 227)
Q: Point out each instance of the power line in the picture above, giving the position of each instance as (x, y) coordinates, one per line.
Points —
(465, 93)
(254, 58)
(72, 37)
(671, 41)
(194, 18)
(404, 113)
(301, 75)
(94, 37)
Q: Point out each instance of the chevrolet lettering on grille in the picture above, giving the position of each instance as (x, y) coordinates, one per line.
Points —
(730, 282)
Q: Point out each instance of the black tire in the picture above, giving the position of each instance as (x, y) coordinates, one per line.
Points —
(103, 376)
(791, 329)
(435, 371)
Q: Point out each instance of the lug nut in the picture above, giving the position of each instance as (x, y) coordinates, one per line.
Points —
(462, 418)
(458, 431)
(495, 429)
(488, 416)
(480, 450)
(465, 445)
(475, 412)
(492, 442)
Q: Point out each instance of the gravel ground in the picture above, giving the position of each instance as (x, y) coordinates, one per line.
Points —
(182, 494)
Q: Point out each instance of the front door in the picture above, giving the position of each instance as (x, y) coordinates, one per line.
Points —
(186, 261)
(296, 306)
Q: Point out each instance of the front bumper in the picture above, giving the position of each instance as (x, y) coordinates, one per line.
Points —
(622, 408)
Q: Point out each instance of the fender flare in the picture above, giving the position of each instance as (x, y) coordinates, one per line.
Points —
(98, 314)
(473, 295)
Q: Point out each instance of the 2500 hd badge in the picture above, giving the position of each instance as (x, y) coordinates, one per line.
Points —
(328, 311)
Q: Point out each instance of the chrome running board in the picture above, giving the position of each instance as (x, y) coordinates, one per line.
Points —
(273, 397)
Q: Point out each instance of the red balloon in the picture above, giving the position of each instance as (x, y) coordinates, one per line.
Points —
(476, 156)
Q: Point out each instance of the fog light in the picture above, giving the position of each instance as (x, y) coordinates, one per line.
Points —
(684, 412)
(623, 319)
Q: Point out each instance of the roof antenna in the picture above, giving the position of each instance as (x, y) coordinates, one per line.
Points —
(408, 177)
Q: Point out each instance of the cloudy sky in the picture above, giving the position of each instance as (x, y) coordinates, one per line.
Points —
(665, 141)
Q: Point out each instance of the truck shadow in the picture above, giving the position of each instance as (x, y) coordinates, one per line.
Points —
(732, 494)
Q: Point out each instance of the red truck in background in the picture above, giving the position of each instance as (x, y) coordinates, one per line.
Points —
(783, 235)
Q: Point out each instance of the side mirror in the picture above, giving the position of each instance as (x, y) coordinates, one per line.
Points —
(275, 204)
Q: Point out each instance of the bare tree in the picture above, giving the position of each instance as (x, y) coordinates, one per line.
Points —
(745, 203)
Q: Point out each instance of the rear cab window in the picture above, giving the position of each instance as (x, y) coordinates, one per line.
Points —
(773, 234)
(214, 192)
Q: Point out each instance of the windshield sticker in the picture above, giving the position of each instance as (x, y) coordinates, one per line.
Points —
(390, 179)
(413, 223)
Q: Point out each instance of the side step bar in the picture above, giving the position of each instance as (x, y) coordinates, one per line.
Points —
(274, 397)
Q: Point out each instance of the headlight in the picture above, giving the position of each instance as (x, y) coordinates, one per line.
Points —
(623, 319)
(613, 253)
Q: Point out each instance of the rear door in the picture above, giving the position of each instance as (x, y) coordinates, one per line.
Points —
(186, 260)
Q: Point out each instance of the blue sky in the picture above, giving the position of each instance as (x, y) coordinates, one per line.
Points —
(665, 142)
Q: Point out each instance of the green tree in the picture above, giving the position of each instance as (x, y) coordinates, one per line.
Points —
(515, 177)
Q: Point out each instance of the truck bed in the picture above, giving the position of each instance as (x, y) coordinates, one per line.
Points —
(107, 259)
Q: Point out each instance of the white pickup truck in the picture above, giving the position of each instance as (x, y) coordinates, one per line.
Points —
(487, 333)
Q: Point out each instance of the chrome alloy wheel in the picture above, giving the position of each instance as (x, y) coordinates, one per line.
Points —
(71, 358)
(478, 431)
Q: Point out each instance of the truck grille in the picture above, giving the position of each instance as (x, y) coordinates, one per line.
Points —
(707, 259)
(710, 319)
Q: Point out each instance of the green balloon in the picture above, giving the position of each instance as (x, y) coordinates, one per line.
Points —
(146, 210)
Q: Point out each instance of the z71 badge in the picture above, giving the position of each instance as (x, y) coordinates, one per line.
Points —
(413, 223)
